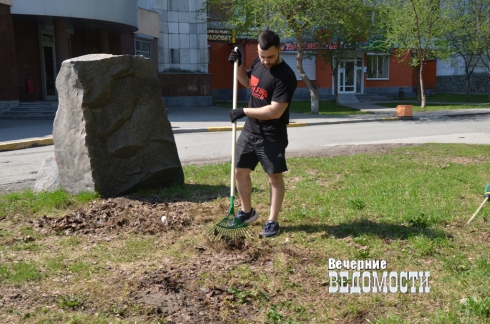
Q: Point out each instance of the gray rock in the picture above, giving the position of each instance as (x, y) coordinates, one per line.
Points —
(111, 131)
(47, 178)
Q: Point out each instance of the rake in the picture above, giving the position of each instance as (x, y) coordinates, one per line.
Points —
(486, 194)
(230, 227)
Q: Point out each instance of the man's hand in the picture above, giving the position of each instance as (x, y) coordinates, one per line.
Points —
(235, 56)
(236, 114)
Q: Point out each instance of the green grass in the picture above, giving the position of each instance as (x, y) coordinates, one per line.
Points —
(444, 101)
(327, 107)
(28, 202)
(19, 272)
(434, 106)
(458, 97)
(408, 207)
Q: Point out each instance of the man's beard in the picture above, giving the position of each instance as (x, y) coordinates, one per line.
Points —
(271, 65)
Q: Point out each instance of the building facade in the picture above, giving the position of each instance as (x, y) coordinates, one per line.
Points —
(182, 51)
(452, 77)
(361, 73)
(36, 36)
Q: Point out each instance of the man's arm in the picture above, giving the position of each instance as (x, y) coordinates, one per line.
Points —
(243, 76)
(272, 111)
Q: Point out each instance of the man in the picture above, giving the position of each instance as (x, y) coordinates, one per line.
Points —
(264, 137)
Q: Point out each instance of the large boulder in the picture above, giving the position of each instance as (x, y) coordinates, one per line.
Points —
(111, 131)
(47, 178)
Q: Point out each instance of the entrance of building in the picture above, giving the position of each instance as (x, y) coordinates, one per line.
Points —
(350, 76)
(49, 66)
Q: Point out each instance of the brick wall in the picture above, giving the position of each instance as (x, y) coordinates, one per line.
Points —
(90, 43)
(83, 43)
(430, 81)
(220, 69)
(9, 79)
(115, 44)
(76, 44)
(400, 75)
(28, 58)
(127, 44)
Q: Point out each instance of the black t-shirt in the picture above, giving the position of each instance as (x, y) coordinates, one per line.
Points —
(266, 85)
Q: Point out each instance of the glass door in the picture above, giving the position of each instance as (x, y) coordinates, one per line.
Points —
(347, 77)
(49, 66)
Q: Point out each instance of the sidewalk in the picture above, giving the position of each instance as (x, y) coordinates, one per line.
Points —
(19, 134)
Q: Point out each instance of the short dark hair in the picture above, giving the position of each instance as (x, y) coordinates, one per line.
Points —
(267, 39)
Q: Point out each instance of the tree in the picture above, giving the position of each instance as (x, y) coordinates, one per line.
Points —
(288, 18)
(350, 28)
(298, 19)
(463, 38)
(416, 29)
(481, 9)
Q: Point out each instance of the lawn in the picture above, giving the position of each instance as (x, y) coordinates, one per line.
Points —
(84, 259)
(458, 97)
(444, 101)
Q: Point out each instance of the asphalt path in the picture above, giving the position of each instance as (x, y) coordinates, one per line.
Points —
(216, 147)
(18, 168)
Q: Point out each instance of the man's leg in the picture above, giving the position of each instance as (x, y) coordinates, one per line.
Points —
(277, 193)
(244, 186)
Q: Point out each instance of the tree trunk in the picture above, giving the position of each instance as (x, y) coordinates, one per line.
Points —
(468, 87)
(421, 80)
(488, 87)
(314, 92)
(417, 92)
(315, 102)
(334, 63)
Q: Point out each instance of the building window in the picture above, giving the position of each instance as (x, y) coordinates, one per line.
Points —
(174, 56)
(142, 48)
(378, 66)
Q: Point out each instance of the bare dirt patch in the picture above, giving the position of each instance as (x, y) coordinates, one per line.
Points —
(124, 215)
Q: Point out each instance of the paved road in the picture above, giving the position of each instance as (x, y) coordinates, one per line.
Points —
(18, 168)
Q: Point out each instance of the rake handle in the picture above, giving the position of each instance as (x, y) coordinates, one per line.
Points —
(479, 208)
(233, 132)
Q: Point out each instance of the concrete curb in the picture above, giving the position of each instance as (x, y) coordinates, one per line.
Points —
(26, 143)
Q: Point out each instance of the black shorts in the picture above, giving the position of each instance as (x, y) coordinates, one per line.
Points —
(271, 153)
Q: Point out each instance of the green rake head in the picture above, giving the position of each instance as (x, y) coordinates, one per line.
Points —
(486, 193)
(231, 228)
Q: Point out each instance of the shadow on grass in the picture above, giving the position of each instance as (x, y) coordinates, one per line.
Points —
(367, 227)
(186, 192)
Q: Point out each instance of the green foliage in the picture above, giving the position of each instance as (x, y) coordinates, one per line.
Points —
(243, 296)
(69, 301)
(342, 24)
(274, 316)
(416, 29)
